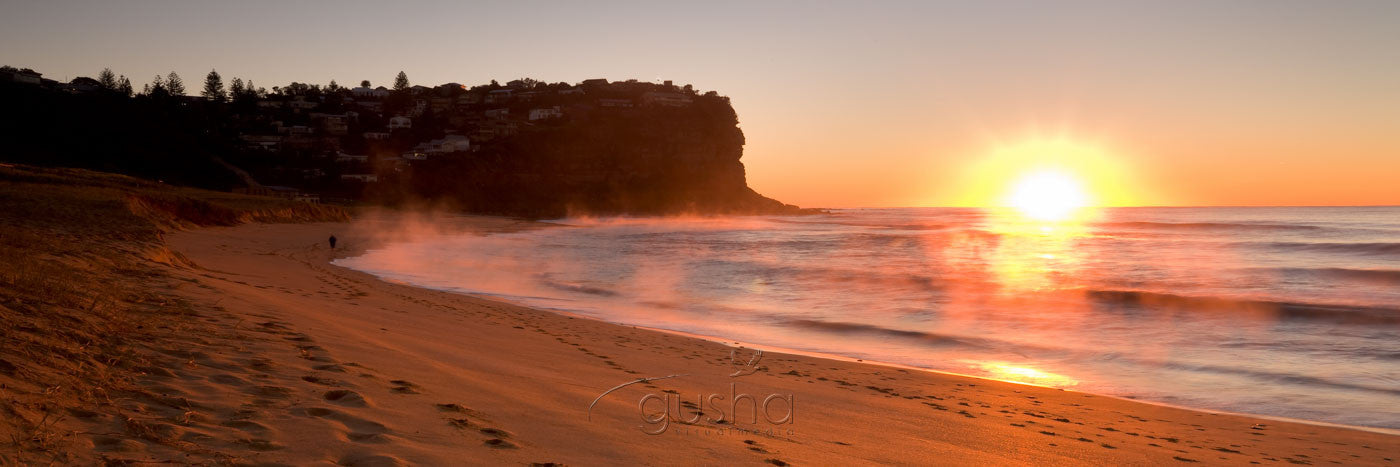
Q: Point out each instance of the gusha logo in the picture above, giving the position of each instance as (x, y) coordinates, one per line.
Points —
(672, 407)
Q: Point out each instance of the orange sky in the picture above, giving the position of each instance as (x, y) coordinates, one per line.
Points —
(849, 104)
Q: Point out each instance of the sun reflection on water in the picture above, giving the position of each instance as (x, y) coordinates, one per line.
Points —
(1035, 254)
(1019, 373)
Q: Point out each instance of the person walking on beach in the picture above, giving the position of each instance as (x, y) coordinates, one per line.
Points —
(332, 241)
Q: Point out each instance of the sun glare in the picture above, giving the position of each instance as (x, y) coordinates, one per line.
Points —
(1048, 179)
(1048, 195)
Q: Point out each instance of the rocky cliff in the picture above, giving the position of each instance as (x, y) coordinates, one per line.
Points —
(645, 159)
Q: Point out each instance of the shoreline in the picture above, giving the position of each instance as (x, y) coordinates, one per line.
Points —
(515, 381)
(893, 365)
(842, 358)
(798, 352)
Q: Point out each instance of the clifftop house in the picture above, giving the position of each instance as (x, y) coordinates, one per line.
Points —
(379, 92)
(665, 98)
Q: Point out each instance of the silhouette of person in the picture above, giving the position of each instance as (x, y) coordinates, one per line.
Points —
(332, 242)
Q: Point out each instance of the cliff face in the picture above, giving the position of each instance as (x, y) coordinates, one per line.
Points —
(601, 160)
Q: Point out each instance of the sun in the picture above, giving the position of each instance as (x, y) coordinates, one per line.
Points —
(1048, 195)
(1047, 178)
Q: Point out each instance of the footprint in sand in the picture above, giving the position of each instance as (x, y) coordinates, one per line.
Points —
(370, 460)
(227, 379)
(273, 392)
(321, 381)
(403, 387)
(357, 429)
(345, 397)
(331, 367)
(260, 444)
(498, 438)
(453, 407)
(246, 425)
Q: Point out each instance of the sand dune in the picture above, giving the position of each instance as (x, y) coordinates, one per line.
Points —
(312, 363)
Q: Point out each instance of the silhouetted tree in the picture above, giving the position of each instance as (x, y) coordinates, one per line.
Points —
(124, 86)
(174, 84)
(156, 88)
(299, 89)
(364, 83)
(235, 88)
(401, 82)
(214, 87)
(108, 79)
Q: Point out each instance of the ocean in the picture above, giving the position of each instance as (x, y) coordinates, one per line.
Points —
(1290, 312)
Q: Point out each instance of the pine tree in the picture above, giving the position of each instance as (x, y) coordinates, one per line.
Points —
(333, 87)
(124, 86)
(108, 79)
(235, 89)
(401, 82)
(174, 84)
(156, 88)
(214, 87)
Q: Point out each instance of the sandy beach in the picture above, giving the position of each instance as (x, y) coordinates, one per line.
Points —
(297, 361)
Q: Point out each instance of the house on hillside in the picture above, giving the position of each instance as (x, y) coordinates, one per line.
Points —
(83, 84)
(497, 96)
(614, 103)
(26, 76)
(334, 124)
(296, 130)
(376, 93)
(300, 103)
(445, 145)
(343, 157)
(452, 143)
(469, 98)
(375, 135)
(261, 142)
(400, 122)
(501, 127)
(440, 104)
(363, 178)
(546, 113)
(666, 99)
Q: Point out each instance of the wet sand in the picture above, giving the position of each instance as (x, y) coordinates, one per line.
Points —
(323, 364)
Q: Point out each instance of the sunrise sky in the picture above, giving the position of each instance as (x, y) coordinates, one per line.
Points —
(860, 103)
